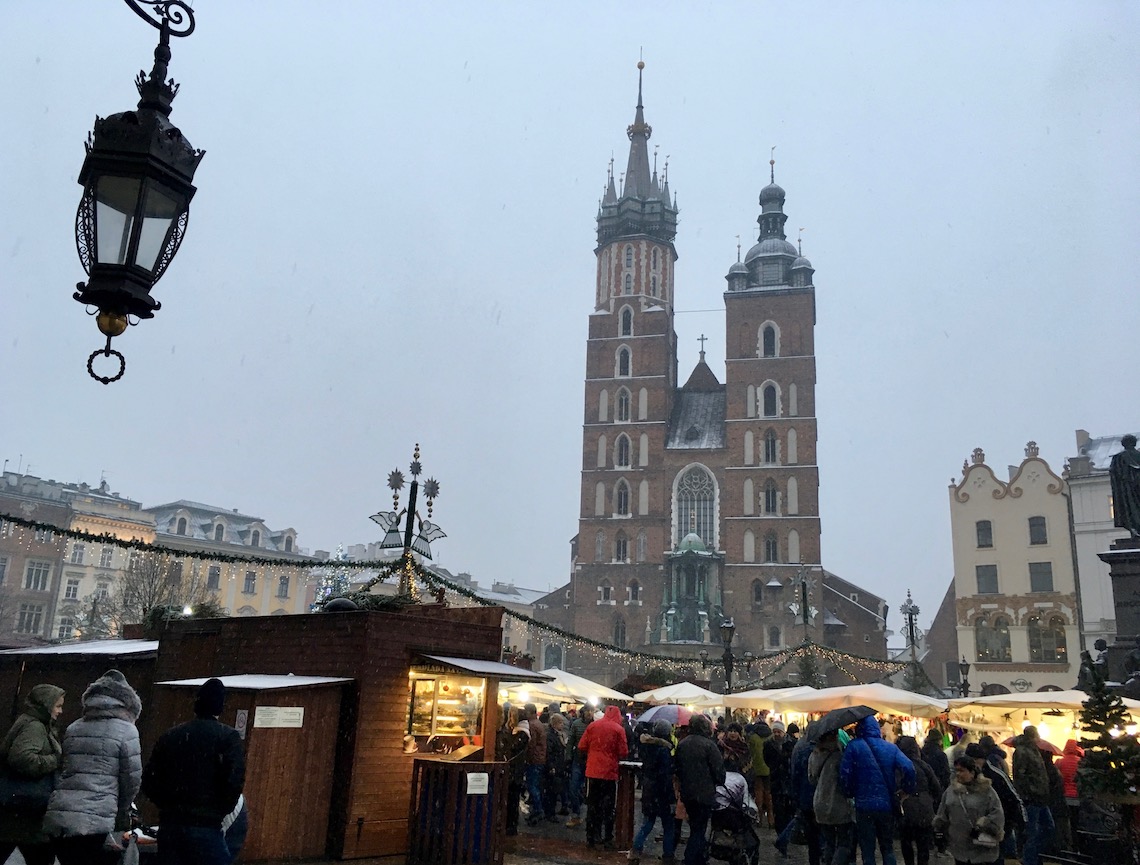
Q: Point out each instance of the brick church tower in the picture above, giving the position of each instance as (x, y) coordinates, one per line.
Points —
(699, 501)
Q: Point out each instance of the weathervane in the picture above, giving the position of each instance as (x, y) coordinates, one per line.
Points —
(417, 533)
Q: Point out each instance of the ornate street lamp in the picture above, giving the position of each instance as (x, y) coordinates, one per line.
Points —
(137, 185)
(910, 612)
(727, 632)
(963, 673)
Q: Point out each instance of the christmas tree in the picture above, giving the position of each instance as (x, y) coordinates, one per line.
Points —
(1111, 765)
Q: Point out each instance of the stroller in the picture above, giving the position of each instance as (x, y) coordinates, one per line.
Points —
(732, 833)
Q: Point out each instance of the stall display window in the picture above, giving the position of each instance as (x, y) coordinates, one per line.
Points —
(445, 709)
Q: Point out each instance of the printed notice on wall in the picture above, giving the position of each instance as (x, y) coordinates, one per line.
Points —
(478, 783)
(279, 716)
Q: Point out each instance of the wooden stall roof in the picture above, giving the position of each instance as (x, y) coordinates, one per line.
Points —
(485, 669)
(111, 648)
(261, 682)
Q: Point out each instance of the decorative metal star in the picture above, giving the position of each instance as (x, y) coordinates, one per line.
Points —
(415, 468)
(431, 488)
(396, 480)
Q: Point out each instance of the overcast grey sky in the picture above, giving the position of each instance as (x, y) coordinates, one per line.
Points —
(393, 242)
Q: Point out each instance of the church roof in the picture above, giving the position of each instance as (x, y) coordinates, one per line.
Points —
(698, 420)
(703, 378)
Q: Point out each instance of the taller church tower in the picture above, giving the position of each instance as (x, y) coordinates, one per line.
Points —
(699, 501)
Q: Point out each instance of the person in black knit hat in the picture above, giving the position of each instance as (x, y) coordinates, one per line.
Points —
(195, 776)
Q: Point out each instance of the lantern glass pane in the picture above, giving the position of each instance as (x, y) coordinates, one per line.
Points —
(159, 211)
(116, 199)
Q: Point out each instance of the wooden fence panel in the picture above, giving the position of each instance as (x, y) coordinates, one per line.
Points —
(446, 825)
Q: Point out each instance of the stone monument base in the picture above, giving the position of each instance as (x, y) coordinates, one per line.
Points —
(1123, 560)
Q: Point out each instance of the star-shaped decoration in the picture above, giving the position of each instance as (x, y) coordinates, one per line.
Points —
(396, 480)
(431, 488)
(415, 468)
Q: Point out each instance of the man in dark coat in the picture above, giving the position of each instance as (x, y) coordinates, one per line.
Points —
(31, 749)
(577, 765)
(195, 776)
(1032, 783)
(776, 757)
(935, 757)
(657, 795)
(699, 767)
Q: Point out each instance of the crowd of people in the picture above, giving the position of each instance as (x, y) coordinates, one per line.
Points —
(842, 793)
(71, 796)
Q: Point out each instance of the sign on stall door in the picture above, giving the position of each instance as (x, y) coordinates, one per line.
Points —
(478, 783)
(279, 716)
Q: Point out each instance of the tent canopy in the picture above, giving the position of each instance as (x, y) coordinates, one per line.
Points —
(1066, 700)
(762, 698)
(682, 692)
(564, 687)
(881, 698)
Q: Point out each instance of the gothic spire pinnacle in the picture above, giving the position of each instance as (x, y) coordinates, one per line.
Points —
(637, 177)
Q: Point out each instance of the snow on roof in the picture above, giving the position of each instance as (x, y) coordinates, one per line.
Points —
(260, 681)
(91, 647)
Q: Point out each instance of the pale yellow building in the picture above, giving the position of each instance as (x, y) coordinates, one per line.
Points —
(1014, 581)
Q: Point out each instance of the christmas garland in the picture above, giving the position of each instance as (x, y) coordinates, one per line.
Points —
(385, 569)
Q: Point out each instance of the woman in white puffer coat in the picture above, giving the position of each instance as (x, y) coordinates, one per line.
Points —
(102, 770)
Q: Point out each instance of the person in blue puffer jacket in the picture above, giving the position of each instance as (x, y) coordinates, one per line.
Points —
(868, 774)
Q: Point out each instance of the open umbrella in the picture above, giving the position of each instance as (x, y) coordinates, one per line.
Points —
(837, 719)
(676, 715)
(1041, 743)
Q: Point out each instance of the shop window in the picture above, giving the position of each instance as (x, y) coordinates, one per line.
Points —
(445, 706)
(1047, 640)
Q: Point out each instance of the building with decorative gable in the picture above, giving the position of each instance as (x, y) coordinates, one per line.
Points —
(1015, 587)
(699, 501)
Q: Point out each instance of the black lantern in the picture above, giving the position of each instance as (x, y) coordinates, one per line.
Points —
(963, 672)
(137, 185)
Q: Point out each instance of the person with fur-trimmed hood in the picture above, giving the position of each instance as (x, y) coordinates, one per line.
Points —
(195, 776)
(102, 769)
(31, 750)
(969, 808)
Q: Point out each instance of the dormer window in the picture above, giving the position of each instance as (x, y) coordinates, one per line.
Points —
(180, 529)
(255, 538)
(219, 533)
(288, 543)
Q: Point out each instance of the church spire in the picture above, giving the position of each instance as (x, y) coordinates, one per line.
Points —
(637, 178)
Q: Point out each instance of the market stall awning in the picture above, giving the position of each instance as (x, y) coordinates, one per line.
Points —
(1064, 700)
(881, 698)
(682, 692)
(763, 698)
(116, 648)
(481, 668)
(260, 682)
(564, 687)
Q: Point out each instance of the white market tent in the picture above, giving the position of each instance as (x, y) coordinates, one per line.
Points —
(881, 698)
(1058, 712)
(682, 692)
(764, 698)
(563, 688)
(1065, 700)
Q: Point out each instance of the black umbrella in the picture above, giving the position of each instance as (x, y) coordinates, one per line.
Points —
(838, 718)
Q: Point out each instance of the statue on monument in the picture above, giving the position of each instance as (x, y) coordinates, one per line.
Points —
(1124, 474)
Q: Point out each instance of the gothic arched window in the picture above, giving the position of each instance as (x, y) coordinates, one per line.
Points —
(695, 505)
(627, 322)
(599, 546)
(627, 286)
(770, 446)
(621, 548)
(619, 632)
(621, 457)
(642, 546)
(757, 593)
(623, 362)
(621, 408)
(621, 498)
(629, 256)
(653, 258)
(634, 591)
(771, 497)
(653, 285)
(769, 400)
(768, 341)
(771, 549)
(773, 637)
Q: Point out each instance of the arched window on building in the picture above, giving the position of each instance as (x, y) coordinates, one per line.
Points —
(604, 405)
(695, 505)
(181, 530)
(621, 548)
(621, 498)
(770, 450)
(757, 593)
(288, 543)
(629, 256)
(621, 452)
(749, 498)
(770, 406)
(219, 533)
(619, 632)
(768, 341)
(552, 658)
(793, 547)
(749, 447)
(773, 637)
(653, 285)
(793, 447)
(793, 498)
(771, 548)
(627, 285)
(992, 639)
(605, 592)
(600, 546)
(653, 258)
(642, 546)
(621, 406)
(624, 362)
(627, 322)
(602, 452)
(771, 498)
(633, 592)
(749, 551)
(1047, 640)
(255, 538)
(599, 499)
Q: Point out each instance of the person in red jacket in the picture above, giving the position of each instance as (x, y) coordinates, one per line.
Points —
(604, 744)
(1067, 766)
